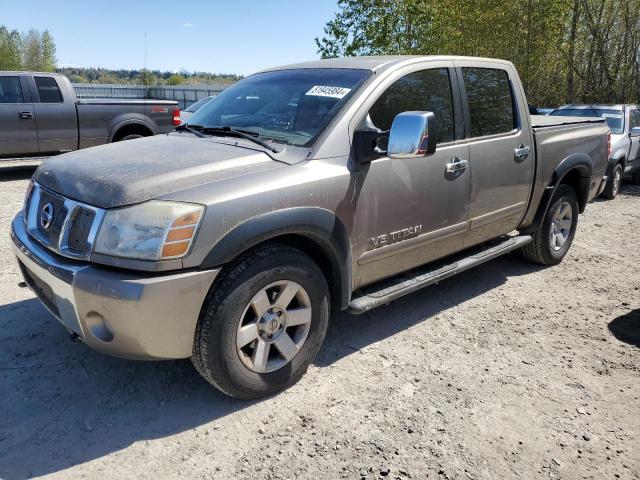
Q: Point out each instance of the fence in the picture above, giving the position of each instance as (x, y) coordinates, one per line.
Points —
(183, 94)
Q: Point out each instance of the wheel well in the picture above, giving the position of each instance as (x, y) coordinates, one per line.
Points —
(131, 129)
(318, 254)
(580, 185)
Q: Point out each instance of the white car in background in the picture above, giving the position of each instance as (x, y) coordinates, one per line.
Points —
(185, 114)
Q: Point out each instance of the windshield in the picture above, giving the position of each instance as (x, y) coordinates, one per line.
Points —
(292, 107)
(613, 117)
(199, 104)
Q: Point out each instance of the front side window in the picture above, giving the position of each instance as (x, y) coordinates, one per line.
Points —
(490, 101)
(10, 90)
(425, 90)
(48, 90)
(292, 107)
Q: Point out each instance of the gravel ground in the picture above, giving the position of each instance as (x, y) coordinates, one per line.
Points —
(507, 371)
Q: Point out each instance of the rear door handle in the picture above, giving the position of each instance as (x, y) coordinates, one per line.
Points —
(25, 115)
(521, 153)
(456, 165)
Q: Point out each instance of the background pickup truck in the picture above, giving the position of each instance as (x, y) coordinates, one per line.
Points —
(41, 116)
(342, 183)
(624, 158)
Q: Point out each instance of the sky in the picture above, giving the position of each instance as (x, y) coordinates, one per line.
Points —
(233, 36)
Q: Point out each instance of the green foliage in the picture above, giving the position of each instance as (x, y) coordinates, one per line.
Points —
(175, 80)
(565, 50)
(31, 51)
(156, 77)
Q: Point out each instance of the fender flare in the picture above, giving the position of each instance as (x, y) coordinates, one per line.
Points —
(614, 159)
(133, 121)
(580, 162)
(318, 225)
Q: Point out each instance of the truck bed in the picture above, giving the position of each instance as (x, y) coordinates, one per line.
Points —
(542, 121)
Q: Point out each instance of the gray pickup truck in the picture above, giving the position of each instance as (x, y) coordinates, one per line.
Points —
(41, 116)
(624, 158)
(342, 183)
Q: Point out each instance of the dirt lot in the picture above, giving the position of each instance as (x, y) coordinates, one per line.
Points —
(507, 371)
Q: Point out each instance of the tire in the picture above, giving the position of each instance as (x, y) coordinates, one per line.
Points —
(131, 136)
(541, 250)
(231, 305)
(613, 184)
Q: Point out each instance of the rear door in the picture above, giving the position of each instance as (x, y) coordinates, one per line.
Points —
(18, 134)
(55, 115)
(634, 149)
(500, 148)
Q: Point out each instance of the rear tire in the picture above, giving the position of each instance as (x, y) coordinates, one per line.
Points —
(613, 184)
(246, 305)
(552, 240)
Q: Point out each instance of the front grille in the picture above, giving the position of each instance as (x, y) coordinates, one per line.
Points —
(70, 233)
(51, 235)
(81, 223)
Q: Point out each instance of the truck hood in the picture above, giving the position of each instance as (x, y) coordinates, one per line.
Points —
(138, 170)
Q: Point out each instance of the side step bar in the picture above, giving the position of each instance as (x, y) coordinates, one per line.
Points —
(385, 291)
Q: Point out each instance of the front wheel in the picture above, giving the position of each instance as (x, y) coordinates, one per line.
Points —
(263, 323)
(552, 240)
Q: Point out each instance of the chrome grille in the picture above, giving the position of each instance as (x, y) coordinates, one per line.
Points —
(73, 227)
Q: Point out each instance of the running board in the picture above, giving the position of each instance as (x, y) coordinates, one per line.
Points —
(385, 291)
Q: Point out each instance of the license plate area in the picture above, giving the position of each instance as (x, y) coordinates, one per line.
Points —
(41, 289)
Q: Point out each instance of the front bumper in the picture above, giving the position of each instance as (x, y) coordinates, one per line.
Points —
(125, 314)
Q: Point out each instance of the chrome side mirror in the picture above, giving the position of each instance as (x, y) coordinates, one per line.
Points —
(413, 134)
(635, 132)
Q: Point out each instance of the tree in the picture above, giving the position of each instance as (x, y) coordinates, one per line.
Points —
(10, 56)
(48, 52)
(176, 80)
(581, 50)
(32, 50)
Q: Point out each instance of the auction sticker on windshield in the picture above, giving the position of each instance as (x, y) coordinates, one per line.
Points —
(324, 91)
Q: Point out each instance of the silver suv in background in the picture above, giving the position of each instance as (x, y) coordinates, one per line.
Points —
(624, 122)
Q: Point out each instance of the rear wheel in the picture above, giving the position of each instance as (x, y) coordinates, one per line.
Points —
(263, 323)
(552, 240)
(613, 184)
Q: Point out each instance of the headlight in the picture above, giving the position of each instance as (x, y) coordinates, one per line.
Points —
(154, 230)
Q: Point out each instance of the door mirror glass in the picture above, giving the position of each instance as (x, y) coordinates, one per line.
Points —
(635, 132)
(413, 134)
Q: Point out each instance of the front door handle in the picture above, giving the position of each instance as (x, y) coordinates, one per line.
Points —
(521, 153)
(25, 115)
(456, 165)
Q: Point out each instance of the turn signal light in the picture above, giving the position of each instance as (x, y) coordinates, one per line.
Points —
(180, 236)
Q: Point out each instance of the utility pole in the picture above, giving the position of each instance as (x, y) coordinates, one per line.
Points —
(146, 52)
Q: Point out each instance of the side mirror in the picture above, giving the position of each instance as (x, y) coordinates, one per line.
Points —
(635, 132)
(413, 134)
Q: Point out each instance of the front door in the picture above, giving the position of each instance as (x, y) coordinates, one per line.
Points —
(501, 151)
(411, 211)
(18, 133)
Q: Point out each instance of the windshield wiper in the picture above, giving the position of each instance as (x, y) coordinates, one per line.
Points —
(226, 130)
(191, 128)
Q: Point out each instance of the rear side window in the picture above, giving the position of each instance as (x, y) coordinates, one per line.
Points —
(48, 90)
(634, 119)
(490, 101)
(426, 90)
(10, 90)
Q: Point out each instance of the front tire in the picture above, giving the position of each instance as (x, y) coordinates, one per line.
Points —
(613, 184)
(552, 240)
(262, 323)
